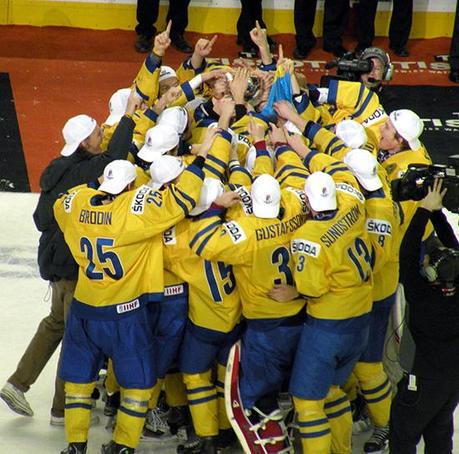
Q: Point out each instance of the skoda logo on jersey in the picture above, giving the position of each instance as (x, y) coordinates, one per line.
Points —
(306, 247)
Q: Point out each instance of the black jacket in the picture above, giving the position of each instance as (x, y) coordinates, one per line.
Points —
(54, 258)
(433, 318)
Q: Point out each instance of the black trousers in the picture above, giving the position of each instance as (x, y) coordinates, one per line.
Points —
(251, 11)
(454, 49)
(400, 22)
(147, 15)
(304, 13)
(336, 16)
(427, 412)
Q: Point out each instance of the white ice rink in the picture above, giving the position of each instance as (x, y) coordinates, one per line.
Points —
(24, 302)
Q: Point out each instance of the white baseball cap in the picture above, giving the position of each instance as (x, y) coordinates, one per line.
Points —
(164, 169)
(211, 189)
(117, 175)
(321, 191)
(351, 133)
(117, 105)
(75, 130)
(266, 197)
(364, 167)
(408, 125)
(166, 73)
(177, 117)
(159, 140)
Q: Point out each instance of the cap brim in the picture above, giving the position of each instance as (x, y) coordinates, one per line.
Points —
(324, 204)
(112, 187)
(414, 144)
(112, 119)
(69, 149)
(370, 184)
(265, 211)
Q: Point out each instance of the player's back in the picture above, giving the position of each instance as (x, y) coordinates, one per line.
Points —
(213, 298)
(333, 259)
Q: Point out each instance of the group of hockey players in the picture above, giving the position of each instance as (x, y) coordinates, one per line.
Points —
(246, 249)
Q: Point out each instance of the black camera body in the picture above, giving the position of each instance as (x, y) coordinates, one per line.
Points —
(414, 184)
(350, 68)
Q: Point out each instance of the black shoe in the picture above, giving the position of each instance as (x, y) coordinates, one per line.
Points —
(112, 403)
(181, 44)
(115, 448)
(300, 53)
(400, 51)
(143, 44)
(454, 76)
(198, 445)
(75, 448)
(337, 51)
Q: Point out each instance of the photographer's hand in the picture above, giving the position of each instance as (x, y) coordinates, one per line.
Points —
(433, 201)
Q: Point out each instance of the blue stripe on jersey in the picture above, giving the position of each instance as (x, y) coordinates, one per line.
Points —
(136, 414)
(152, 63)
(214, 171)
(225, 134)
(376, 389)
(316, 422)
(336, 402)
(188, 91)
(364, 105)
(200, 389)
(282, 149)
(202, 400)
(195, 170)
(142, 95)
(338, 169)
(263, 153)
(294, 174)
(332, 91)
(311, 131)
(308, 158)
(203, 244)
(315, 434)
(190, 200)
(202, 232)
(380, 398)
(221, 163)
(339, 147)
(288, 167)
(242, 170)
(78, 405)
(332, 142)
(151, 115)
(180, 202)
(359, 97)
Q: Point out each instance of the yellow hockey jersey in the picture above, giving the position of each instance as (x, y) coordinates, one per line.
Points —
(332, 253)
(213, 298)
(258, 249)
(117, 245)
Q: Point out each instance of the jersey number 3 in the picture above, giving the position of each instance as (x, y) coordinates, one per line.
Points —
(107, 261)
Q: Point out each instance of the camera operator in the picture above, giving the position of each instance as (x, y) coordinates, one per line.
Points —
(372, 67)
(429, 391)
